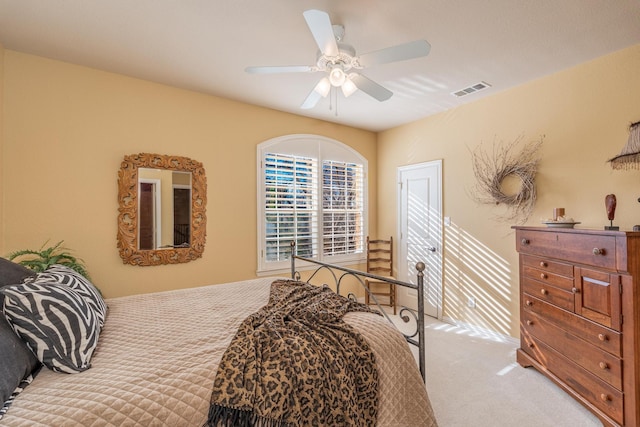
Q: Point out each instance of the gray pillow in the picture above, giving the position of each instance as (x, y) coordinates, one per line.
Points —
(12, 273)
(16, 360)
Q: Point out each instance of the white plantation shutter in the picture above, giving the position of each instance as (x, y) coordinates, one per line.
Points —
(291, 204)
(312, 190)
(342, 207)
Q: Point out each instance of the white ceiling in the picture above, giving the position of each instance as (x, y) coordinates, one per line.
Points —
(205, 45)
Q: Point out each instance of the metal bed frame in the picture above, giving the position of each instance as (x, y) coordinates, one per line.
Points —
(361, 276)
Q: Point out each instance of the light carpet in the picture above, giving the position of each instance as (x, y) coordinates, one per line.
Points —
(473, 379)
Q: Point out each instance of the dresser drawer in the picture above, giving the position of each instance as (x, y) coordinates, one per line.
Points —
(548, 265)
(593, 333)
(604, 365)
(556, 296)
(549, 278)
(602, 395)
(589, 249)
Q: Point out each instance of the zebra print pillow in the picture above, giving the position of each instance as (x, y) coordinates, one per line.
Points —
(55, 321)
(64, 275)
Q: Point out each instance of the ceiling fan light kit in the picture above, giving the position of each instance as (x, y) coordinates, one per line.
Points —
(339, 61)
(337, 77)
(323, 87)
(348, 87)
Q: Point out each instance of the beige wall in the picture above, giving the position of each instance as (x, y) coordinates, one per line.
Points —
(2, 225)
(66, 130)
(584, 114)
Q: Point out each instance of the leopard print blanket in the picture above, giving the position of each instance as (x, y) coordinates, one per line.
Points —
(295, 362)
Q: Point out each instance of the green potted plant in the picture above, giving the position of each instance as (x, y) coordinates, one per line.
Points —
(40, 260)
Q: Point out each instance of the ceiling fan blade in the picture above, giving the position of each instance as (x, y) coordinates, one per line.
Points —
(311, 101)
(280, 69)
(321, 90)
(370, 87)
(320, 25)
(400, 52)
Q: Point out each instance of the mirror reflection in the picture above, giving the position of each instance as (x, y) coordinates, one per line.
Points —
(164, 208)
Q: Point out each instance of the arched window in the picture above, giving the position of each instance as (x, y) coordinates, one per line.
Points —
(311, 190)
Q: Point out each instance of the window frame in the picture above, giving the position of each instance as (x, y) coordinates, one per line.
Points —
(322, 149)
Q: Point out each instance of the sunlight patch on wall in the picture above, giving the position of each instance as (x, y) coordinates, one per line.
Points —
(477, 283)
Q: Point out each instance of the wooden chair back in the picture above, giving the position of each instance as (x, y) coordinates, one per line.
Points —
(380, 257)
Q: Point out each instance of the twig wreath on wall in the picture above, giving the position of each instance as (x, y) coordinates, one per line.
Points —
(506, 175)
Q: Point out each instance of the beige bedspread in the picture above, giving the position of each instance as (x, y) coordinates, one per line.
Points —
(158, 354)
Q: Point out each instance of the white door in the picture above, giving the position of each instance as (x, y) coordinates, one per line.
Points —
(420, 230)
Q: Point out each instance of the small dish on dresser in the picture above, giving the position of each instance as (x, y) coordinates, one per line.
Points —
(560, 224)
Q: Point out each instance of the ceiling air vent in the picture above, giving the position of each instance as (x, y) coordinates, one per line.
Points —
(471, 89)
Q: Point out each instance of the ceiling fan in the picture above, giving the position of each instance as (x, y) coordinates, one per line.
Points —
(340, 63)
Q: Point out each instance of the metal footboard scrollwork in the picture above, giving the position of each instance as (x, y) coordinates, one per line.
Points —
(338, 273)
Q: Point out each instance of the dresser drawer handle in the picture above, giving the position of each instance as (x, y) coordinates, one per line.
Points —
(530, 322)
(525, 241)
(604, 366)
(543, 291)
(598, 251)
(575, 290)
(605, 397)
(603, 337)
(531, 345)
(543, 264)
(543, 276)
(528, 303)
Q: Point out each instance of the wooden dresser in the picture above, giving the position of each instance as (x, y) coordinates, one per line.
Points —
(579, 316)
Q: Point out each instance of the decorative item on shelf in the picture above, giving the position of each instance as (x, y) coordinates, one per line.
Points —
(559, 220)
(610, 203)
(558, 212)
(629, 157)
(507, 176)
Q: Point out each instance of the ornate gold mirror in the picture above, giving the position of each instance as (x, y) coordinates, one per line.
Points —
(162, 209)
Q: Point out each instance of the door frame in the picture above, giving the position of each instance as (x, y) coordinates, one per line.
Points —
(157, 208)
(433, 282)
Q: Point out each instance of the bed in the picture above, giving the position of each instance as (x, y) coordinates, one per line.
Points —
(158, 354)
